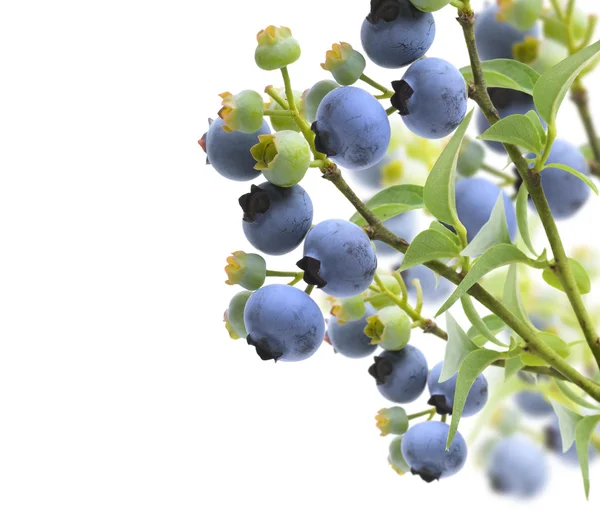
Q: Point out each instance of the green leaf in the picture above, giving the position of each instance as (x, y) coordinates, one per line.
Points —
(505, 73)
(516, 129)
(472, 366)
(523, 219)
(567, 422)
(493, 323)
(429, 245)
(554, 342)
(478, 323)
(498, 256)
(551, 88)
(582, 278)
(444, 230)
(535, 119)
(439, 195)
(459, 345)
(583, 435)
(492, 233)
(587, 151)
(574, 172)
(512, 366)
(574, 396)
(511, 298)
(392, 201)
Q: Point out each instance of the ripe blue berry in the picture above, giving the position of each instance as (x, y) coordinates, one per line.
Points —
(424, 449)
(533, 404)
(433, 291)
(442, 394)
(401, 376)
(338, 258)
(518, 467)
(431, 98)
(352, 128)
(283, 323)
(475, 200)
(276, 219)
(495, 39)
(395, 33)
(349, 338)
(229, 152)
(566, 193)
(404, 226)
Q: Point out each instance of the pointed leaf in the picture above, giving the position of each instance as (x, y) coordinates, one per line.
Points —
(516, 129)
(551, 340)
(551, 88)
(567, 422)
(505, 73)
(439, 227)
(492, 233)
(512, 366)
(512, 297)
(429, 245)
(459, 345)
(494, 325)
(478, 323)
(439, 195)
(535, 119)
(472, 366)
(574, 172)
(393, 201)
(498, 256)
(523, 219)
(574, 396)
(583, 435)
(582, 278)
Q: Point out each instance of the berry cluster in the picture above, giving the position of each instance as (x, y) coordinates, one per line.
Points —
(374, 313)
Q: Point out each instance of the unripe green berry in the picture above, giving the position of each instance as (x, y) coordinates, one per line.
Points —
(345, 63)
(392, 421)
(555, 29)
(314, 96)
(234, 315)
(522, 14)
(242, 112)
(395, 457)
(550, 53)
(348, 309)
(283, 157)
(392, 285)
(390, 328)
(246, 269)
(470, 157)
(424, 150)
(392, 172)
(429, 5)
(505, 421)
(287, 123)
(276, 48)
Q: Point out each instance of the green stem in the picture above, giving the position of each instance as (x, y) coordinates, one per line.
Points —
(508, 178)
(289, 93)
(374, 84)
(309, 289)
(297, 279)
(444, 418)
(532, 181)
(391, 110)
(579, 96)
(317, 163)
(273, 113)
(282, 274)
(273, 93)
(421, 414)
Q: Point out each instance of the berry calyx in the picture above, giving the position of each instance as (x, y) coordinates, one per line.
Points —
(381, 369)
(255, 202)
(243, 111)
(390, 328)
(345, 63)
(392, 421)
(246, 269)
(276, 48)
(311, 267)
(402, 93)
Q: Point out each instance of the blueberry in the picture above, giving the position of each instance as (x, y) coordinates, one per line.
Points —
(283, 323)
(352, 128)
(395, 457)
(495, 39)
(475, 200)
(229, 152)
(401, 376)
(349, 338)
(442, 394)
(395, 33)
(566, 193)
(388, 171)
(431, 98)
(404, 226)
(314, 96)
(276, 219)
(424, 449)
(518, 467)
(533, 403)
(507, 102)
(338, 258)
(553, 442)
(432, 290)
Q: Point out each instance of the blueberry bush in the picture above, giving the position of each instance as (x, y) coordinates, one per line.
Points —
(477, 255)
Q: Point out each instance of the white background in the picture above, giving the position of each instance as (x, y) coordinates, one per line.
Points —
(119, 387)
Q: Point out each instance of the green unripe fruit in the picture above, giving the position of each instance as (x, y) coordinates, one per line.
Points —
(556, 29)
(286, 123)
(505, 421)
(550, 53)
(390, 328)
(276, 48)
(314, 96)
(470, 157)
(392, 421)
(242, 112)
(429, 5)
(345, 63)
(234, 315)
(246, 269)
(348, 309)
(392, 285)
(283, 157)
(395, 457)
(522, 14)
